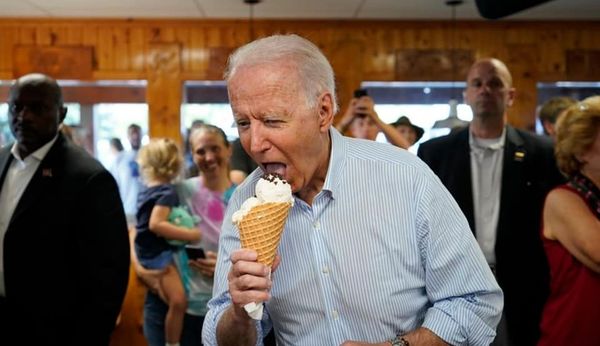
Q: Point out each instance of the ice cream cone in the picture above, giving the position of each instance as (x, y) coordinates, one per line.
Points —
(261, 229)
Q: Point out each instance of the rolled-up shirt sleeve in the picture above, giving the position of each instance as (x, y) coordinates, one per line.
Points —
(467, 301)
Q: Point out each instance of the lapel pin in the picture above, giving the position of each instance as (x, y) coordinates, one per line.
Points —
(519, 155)
(47, 172)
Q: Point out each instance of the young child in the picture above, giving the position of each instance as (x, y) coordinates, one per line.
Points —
(160, 163)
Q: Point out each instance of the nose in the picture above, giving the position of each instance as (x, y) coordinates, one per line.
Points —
(484, 88)
(22, 114)
(209, 156)
(258, 139)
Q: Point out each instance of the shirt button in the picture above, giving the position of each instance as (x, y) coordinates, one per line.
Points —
(335, 315)
(317, 225)
(325, 270)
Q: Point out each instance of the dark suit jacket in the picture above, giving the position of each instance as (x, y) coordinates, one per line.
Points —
(529, 173)
(66, 252)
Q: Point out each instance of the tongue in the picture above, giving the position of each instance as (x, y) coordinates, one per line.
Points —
(278, 168)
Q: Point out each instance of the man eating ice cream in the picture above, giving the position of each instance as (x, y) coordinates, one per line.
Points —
(374, 250)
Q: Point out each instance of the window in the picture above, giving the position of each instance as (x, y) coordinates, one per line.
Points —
(207, 101)
(112, 120)
(422, 102)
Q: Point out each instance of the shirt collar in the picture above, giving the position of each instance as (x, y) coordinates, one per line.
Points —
(38, 154)
(337, 157)
(492, 143)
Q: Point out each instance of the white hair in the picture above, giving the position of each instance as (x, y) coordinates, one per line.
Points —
(314, 70)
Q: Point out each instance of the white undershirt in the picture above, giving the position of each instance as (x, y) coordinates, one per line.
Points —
(486, 180)
(17, 178)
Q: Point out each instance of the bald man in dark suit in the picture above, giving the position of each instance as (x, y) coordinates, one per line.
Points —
(64, 247)
(500, 176)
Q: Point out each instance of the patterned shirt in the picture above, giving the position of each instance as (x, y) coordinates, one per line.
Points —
(383, 249)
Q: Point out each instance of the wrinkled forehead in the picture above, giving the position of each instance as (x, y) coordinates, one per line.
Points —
(262, 89)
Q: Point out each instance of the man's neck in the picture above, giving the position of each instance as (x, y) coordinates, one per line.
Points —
(24, 151)
(308, 193)
(487, 128)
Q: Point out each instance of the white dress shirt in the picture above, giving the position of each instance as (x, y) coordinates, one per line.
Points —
(18, 176)
(486, 181)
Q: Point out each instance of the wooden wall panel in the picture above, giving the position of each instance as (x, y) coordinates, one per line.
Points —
(105, 55)
(523, 60)
(346, 56)
(60, 62)
(164, 92)
(27, 35)
(137, 49)
(6, 47)
(183, 35)
(359, 50)
(120, 45)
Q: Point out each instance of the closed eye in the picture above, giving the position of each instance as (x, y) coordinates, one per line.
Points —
(242, 124)
(273, 122)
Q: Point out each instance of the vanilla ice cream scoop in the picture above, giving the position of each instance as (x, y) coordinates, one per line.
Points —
(272, 188)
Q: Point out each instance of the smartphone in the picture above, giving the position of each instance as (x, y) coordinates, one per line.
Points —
(358, 93)
(195, 253)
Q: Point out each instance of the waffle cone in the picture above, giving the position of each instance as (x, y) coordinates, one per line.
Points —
(261, 229)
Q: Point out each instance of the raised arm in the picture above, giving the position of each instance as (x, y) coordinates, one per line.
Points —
(394, 137)
(344, 123)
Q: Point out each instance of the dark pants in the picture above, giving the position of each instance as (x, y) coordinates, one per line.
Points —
(155, 312)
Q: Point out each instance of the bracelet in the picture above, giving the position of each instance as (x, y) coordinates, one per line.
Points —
(399, 341)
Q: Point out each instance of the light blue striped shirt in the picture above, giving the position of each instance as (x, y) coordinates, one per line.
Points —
(384, 249)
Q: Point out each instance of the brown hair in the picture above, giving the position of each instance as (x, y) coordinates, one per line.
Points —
(553, 107)
(196, 131)
(577, 129)
(160, 160)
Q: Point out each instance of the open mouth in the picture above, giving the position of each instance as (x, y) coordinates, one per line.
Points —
(274, 167)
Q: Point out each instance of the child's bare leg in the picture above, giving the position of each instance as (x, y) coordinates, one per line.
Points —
(173, 293)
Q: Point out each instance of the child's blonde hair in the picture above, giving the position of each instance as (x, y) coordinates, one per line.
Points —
(160, 160)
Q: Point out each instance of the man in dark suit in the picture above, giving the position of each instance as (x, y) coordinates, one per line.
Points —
(500, 176)
(63, 237)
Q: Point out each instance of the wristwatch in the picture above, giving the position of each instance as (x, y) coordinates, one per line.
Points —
(399, 341)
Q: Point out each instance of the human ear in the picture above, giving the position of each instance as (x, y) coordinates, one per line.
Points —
(511, 96)
(325, 108)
